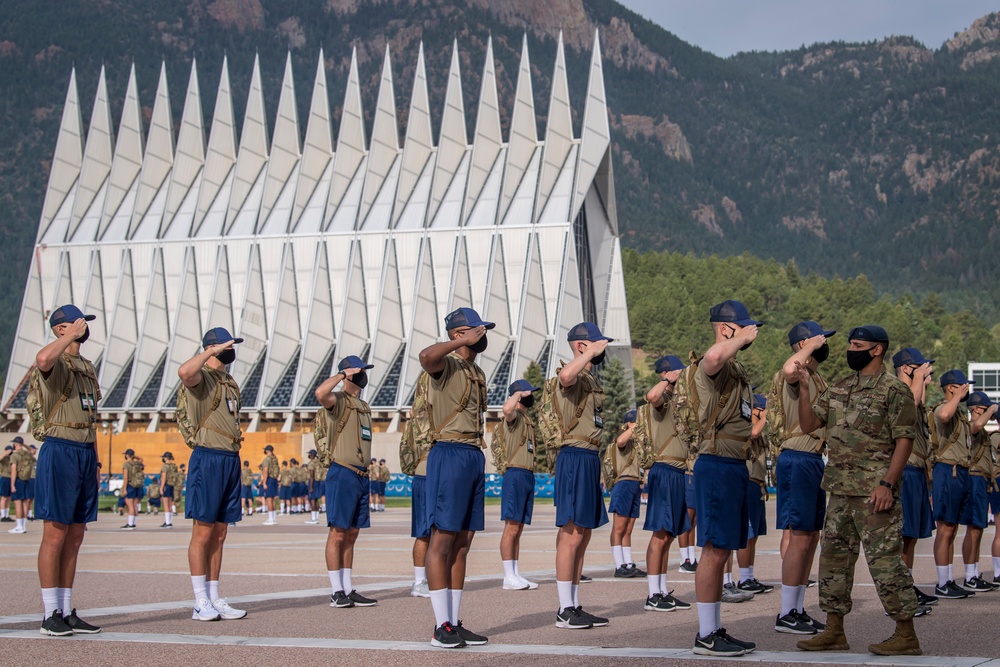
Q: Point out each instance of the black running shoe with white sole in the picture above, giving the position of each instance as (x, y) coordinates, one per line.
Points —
(716, 644)
(584, 579)
(804, 616)
(951, 591)
(636, 572)
(689, 567)
(80, 626)
(754, 586)
(678, 604)
(596, 621)
(748, 647)
(995, 584)
(341, 601)
(976, 585)
(923, 598)
(445, 636)
(623, 572)
(655, 603)
(55, 625)
(792, 624)
(470, 637)
(569, 619)
(360, 600)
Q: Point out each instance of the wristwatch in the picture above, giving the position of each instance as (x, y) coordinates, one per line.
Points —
(885, 484)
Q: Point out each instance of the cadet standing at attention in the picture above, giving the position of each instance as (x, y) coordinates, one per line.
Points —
(317, 485)
(133, 486)
(246, 492)
(269, 471)
(623, 480)
(168, 472)
(211, 399)
(5, 480)
(384, 477)
(756, 499)
(870, 420)
(975, 518)
(20, 474)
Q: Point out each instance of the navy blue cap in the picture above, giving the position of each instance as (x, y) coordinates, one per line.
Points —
(807, 329)
(9, 448)
(312, 451)
(586, 331)
(352, 361)
(978, 398)
(18, 440)
(733, 312)
(68, 313)
(465, 317)
(381, 460)
(954, 376)
(759, 402)
(630, 417)
(909, 356)
(217, 336)
(167, 455)
(129, 452)
(268, 448)
(520, 385)
(872, 333)
(668, 363)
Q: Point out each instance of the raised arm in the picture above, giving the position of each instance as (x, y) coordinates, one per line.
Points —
(510, 405)
(432, 358)
(570, 373)
(190, 370)
(808, 421)
(724, 350)
(47, 356)
(809, 345)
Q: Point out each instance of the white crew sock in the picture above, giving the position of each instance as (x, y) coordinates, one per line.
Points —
(943, 573)
(131, 519)
(517, 573)
(746, 574)
(213, 590)
(565, 590)
(789, 599)
(50, 599)
(22, 524)
(951, 572)
(456, 604)
(970, 571)
(627, 555)
(198, 585)
(689, 553)
(996, 567)
(800, 602)
(727, 578)
(576, 595)
(653, 581)
(440, 602)
(381, 507)
(346, 574)
(31, 513)
(336, 580)
(616, 553)
(272, 516)
(4, 513)
(65, 600)
(419, 574)
(663, 583)
(706, 619)
(315, 516)
(168, 518)
(508, 570)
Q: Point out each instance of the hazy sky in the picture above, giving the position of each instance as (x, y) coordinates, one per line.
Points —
(725, 27)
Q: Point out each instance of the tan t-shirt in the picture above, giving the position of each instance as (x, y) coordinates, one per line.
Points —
(731, 427)
(354, 444)
(982, 463)
(793, 437)
(959, 451)
(626, 461)
(995, 453)
(270, 466)
(75, 419)
(921, 455)
(446, 392)
(5, 465)
(285, 477)
(757, 465)
(587, 394)
(519, 443)
(167, 472)
(220, 429)
(246, 476)
(667, 447)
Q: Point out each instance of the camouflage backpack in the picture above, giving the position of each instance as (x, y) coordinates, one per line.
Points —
(189, 430)
(324, 440)
(933, 435)
(641, 439)
(609, 462)
(552, 426)
(776, 413)
(498, 446)
(687, 408)
(40, 421)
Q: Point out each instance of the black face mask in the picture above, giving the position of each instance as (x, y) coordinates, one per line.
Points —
(599, 359)
(226, 356)
(858, 359)
(85, 335)
(360, 379)
(527, 401)
(822, 353)
(480, 345)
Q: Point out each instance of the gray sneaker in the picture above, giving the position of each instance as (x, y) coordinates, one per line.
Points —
(733, 595)
(420, 590)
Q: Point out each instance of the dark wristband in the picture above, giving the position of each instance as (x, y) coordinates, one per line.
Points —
(885, 484)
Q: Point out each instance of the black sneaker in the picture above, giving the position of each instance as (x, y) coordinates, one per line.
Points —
(445, 636)
(689, 567)
(922, 610)
(976, 585)
(655, 603)
(677, 603)
(923, 598)
(341, 601)
(360, 600)
(995, 584)
(584, 579)
(636, 572)
(55, 626)
(570, 619)
(596, 621)
(748, 647)
(80, 626)
(804, 616)
(754, 586)
(623, 572)
(793, 624)
(6, 519)
(166, 525)
(470, 637)
(717, 644)
(950, 591)
(128, 527)
(811, 583)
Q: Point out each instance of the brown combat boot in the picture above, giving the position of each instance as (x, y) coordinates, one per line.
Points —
(902, 642)
(831, 639)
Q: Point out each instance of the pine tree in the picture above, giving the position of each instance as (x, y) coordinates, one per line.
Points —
(617, 399)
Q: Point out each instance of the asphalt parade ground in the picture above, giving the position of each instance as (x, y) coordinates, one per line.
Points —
(136, 585)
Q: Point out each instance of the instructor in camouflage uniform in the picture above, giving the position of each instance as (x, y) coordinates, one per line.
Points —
(870, 420)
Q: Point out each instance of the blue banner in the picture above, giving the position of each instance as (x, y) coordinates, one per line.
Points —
(401, 486)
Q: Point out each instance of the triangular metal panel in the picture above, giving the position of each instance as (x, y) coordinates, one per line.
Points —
(601, 247)
(452, 140)
(558, 132)
(570, 309)
(320, 333)
(532, 318)
(552, 247)
(445, 246)
(521, 208)
(213, 225)
(142, 265)
(186, 341)
(90, 223)
(479, 251)
(127, 162)
(155, 337)
(389, 331)
(78, 262)
(311, 221)
(413, 216)
(32, 327)
(407, 260)
(271, 263)
(419, 142)
(285, 151)
(97, 156)
(221, 148)
(345, 215)
(173, 271)
(495, 310)
(604, 181)
(484, 207)
(305, 248)
(56, 232)
(63, 291)
(220, 308)
(159, 152)
(111, 257)
(147, 227)
(339, 259)
(379, 216)
(66, 161)
(595, 139)
(318, 149)
(449, 213)
(278, 220)
(94, 304)
(286, 334)
(488, 139)
(252, 157)
(461, 282)
(350, 140)
(384, 147)
(373, 250)
(615, 323)
(253, 322)
(425, 320)
(190, 155)
(523, 139)
(49, 262)
(238, 255)
(515, 245)
(557, 206)
(118, 224)
(354, 329)
(124, 331)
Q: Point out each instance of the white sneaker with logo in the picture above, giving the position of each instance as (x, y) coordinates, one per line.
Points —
(530, 584)
(205, 611)
(226, 612)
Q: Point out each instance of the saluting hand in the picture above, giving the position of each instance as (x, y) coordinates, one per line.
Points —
(216, 350)
(471, 336)
(814, 343)
(594, 348)
(74, 329)
(747, 334)
(350, 372)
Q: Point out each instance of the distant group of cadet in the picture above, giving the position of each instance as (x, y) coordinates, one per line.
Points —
(856, 461)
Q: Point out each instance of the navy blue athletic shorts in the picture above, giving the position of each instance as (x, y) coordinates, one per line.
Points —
(918, 521)
(578, 488)
(419, 528)
(689, 497)
(66, 482)
(373, 487)
(801, 500)
(995, 497)
(666, 506)
(975, 513)
(246, 491)
(318, 490)
(625, 498)
(271, 487)
(517, 495)
(31, 488)
(154, 502)
(951, 493)
(346, 498)
(284, 493)
(5, 487)
(22, 490)
(721, 501)
(168, 491)
(756, 510)
(456, 487)
(213, 486)
(135, 492)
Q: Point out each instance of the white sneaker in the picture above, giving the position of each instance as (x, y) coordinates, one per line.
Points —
(420, 590)
(514, 585)
(17, 530)
(226, 612)
(310, 522)
(530, 584)
(205, 611)
(269, 523)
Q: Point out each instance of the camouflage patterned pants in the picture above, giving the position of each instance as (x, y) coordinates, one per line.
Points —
(850, 524)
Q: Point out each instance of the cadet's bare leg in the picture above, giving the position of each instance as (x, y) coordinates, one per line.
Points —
(944, 543)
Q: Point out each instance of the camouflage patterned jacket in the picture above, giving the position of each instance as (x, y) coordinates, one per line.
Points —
(863, 416)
